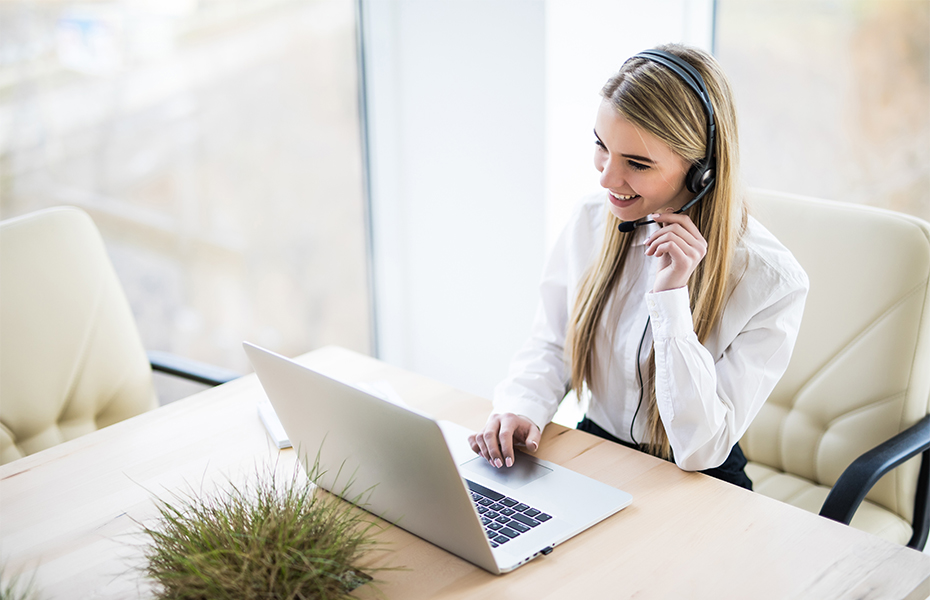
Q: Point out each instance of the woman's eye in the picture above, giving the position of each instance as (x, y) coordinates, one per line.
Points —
(637, 166)
(600, 145)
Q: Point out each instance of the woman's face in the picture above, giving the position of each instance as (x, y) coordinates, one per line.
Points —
(641, 174)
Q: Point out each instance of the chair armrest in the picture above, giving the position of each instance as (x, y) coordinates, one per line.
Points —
(189, 369)
(856, 481)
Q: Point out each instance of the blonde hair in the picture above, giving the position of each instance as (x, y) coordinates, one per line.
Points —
(652, 97)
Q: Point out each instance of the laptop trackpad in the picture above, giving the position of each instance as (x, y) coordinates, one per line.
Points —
(524, 471)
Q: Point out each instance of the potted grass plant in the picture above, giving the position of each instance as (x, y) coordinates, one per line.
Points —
(13, 588)
(262, 540)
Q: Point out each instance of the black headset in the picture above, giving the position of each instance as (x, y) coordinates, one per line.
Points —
(700, 177)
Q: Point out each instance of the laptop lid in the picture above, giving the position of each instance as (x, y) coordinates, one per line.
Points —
(399, 462)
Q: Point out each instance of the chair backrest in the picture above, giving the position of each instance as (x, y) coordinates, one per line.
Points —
(71, 360)
(860, 372)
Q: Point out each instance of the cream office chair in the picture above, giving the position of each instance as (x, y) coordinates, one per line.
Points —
(71, 360)
(846, 432)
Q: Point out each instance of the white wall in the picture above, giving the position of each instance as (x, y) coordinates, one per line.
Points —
(479, 118)
(455, 101)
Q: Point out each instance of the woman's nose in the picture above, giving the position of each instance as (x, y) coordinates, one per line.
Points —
(611, 175)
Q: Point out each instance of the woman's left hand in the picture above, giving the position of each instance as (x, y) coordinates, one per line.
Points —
(679, 246)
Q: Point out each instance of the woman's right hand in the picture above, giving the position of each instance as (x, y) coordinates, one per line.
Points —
(500, 434)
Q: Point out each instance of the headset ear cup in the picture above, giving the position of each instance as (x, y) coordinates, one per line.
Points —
(698, 178)
(694, 177)
(707, 177)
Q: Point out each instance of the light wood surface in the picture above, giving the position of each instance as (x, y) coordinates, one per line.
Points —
(71, 514)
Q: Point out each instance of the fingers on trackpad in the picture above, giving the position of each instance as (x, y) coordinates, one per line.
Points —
(525, 470)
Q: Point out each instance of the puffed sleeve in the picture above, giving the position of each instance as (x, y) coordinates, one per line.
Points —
(706, 404)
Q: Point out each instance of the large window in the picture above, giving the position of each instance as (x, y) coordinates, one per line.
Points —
(834, 97)
(216, 145)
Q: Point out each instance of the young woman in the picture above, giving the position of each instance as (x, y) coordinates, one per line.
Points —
(663, 301)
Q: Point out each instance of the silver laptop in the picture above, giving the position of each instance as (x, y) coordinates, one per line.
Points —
(422, 475)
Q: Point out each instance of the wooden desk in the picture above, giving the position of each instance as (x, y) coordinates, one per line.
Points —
(70, 513)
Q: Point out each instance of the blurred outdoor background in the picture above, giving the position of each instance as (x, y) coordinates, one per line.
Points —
(216, 145)
(834, 97)
(220, 148)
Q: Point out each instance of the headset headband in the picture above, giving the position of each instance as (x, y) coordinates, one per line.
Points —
(702, 177)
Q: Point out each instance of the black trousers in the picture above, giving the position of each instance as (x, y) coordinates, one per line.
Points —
(732, 470)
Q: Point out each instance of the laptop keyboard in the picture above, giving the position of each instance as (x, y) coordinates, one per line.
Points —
(503, 517)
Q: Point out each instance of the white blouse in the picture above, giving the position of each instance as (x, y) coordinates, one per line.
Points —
(707, 394)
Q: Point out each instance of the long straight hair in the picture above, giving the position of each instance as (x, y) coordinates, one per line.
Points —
(655, 99)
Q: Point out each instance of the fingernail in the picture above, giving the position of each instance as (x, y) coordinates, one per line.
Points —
(509, 462)
(534, 446)
(498, 463)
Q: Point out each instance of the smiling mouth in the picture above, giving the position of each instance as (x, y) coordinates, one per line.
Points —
(624, 197)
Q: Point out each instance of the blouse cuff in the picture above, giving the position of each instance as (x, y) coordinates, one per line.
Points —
(670, 312)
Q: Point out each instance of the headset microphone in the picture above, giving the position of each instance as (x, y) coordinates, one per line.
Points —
(628, 226)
